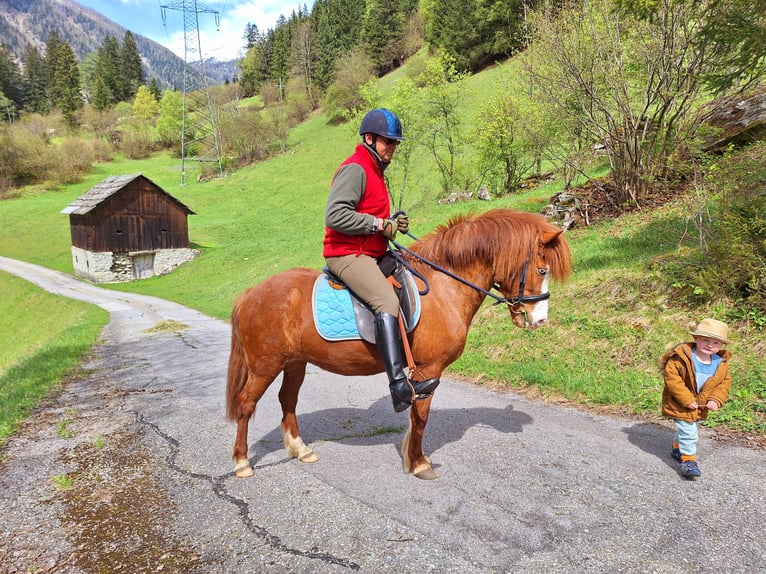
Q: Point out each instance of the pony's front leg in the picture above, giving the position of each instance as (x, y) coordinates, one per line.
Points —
(288, 398)
(413, 459)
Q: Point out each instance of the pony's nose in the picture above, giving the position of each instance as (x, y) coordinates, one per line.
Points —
(538, 323)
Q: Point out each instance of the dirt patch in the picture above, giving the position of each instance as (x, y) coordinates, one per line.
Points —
(116, 511)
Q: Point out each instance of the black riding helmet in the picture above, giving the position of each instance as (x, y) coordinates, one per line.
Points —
(382, 122)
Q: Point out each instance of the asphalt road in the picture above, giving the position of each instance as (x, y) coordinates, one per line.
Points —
(128, 469)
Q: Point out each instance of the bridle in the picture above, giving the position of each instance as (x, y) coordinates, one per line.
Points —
(513, 302)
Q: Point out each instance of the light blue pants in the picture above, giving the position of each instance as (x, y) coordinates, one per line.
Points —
(687, 436)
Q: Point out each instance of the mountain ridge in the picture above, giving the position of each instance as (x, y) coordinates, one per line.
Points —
(25, 22)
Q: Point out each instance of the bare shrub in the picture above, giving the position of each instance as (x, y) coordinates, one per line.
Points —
(75, 159)
(136, 143)
(102, 150)
(25, 155)
(245, 135)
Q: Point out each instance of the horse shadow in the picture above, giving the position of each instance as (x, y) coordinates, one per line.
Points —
(378, 425)
(653, 439)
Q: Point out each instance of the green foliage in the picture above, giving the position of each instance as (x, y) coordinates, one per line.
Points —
(170, 120)
(144, 105)
(474, 33)
(733, 34)
(442, 94)
(344, 96)
(503, 154)
(730, 261)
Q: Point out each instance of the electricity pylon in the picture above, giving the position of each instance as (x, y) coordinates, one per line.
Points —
(199, 136)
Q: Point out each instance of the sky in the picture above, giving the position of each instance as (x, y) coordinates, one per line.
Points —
(145, 17)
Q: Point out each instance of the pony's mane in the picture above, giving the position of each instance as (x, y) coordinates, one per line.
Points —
(500, 238)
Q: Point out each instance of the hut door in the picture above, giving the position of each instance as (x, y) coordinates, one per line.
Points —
(143, 265)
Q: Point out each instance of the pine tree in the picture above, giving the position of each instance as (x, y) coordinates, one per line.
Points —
(11, 82)
(52, 48)
(383, 32)
(100, 96)
(35, 84)
(154, 88)
(67, 80)
(131, 68)
(108, 68)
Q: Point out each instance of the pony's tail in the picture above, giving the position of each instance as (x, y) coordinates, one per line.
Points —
(237, 374)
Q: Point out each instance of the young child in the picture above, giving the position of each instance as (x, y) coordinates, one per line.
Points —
(697, 380)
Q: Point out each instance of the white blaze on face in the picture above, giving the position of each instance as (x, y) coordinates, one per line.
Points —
(539, 313)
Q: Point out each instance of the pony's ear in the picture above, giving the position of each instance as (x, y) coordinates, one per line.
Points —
(549, 236)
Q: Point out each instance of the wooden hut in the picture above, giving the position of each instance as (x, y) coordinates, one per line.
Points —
(127, 227)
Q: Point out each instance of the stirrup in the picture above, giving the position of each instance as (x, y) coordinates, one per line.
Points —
(424, 389)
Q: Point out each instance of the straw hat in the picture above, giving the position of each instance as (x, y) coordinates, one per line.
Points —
(712, 329)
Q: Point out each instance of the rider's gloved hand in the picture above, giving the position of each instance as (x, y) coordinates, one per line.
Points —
(389, 229)
(403, 223)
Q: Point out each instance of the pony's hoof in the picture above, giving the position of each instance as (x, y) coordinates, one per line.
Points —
(243, 469)
(427, 473)
(309, 457)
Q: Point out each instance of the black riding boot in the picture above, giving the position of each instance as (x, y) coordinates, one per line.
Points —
(388, 340)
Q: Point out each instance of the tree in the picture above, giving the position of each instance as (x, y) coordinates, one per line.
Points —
(154, 88)
(383, 33)
(503, 160)
(442, 93)
(144, 105)
(11, 80)
(474, 32)
(108, 68)
(338, 29)
(67, 81)
(302, 56)
(52, 48)
(352, 72)
(131, 69)
(100, 96)
(170, 120)
(34, 81)
(251, 36)
(605, 75)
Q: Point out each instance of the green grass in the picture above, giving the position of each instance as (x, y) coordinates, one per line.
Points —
(44, 339)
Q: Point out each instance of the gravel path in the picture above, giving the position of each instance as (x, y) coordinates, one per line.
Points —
(128, 469)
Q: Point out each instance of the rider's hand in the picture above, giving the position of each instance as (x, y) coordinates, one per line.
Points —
(389, 229)
(403, 223)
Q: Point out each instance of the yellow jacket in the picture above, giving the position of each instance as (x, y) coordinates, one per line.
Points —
(681, 387)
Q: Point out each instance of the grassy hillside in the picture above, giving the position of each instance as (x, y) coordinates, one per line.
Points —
(607, 325)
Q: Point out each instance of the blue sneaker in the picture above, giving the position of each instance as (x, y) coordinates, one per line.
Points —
(689, 469)
(676, 454)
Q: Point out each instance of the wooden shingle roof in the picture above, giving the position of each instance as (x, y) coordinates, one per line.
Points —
(107, 188)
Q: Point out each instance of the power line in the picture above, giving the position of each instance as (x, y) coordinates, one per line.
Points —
(199, 136)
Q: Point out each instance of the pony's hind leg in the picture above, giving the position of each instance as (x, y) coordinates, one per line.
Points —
(247, 399)
(292, 380)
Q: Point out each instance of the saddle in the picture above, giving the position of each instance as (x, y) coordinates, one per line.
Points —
(339, 315)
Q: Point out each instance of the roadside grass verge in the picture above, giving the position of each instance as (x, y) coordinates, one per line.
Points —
(44, 339)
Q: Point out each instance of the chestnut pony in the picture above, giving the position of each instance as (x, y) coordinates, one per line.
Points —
(273, 327)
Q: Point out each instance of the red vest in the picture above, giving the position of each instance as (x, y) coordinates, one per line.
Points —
(374, 201)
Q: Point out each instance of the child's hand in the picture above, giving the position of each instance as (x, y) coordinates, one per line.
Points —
(712, 406)
(692, 406)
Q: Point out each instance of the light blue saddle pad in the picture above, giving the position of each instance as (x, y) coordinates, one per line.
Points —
(339, 316)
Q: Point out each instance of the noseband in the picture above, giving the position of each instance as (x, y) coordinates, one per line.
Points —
(522, 299)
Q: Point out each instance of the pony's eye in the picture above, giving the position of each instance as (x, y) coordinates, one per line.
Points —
(542, 271)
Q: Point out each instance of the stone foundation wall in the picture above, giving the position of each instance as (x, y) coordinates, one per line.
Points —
(109, 267)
